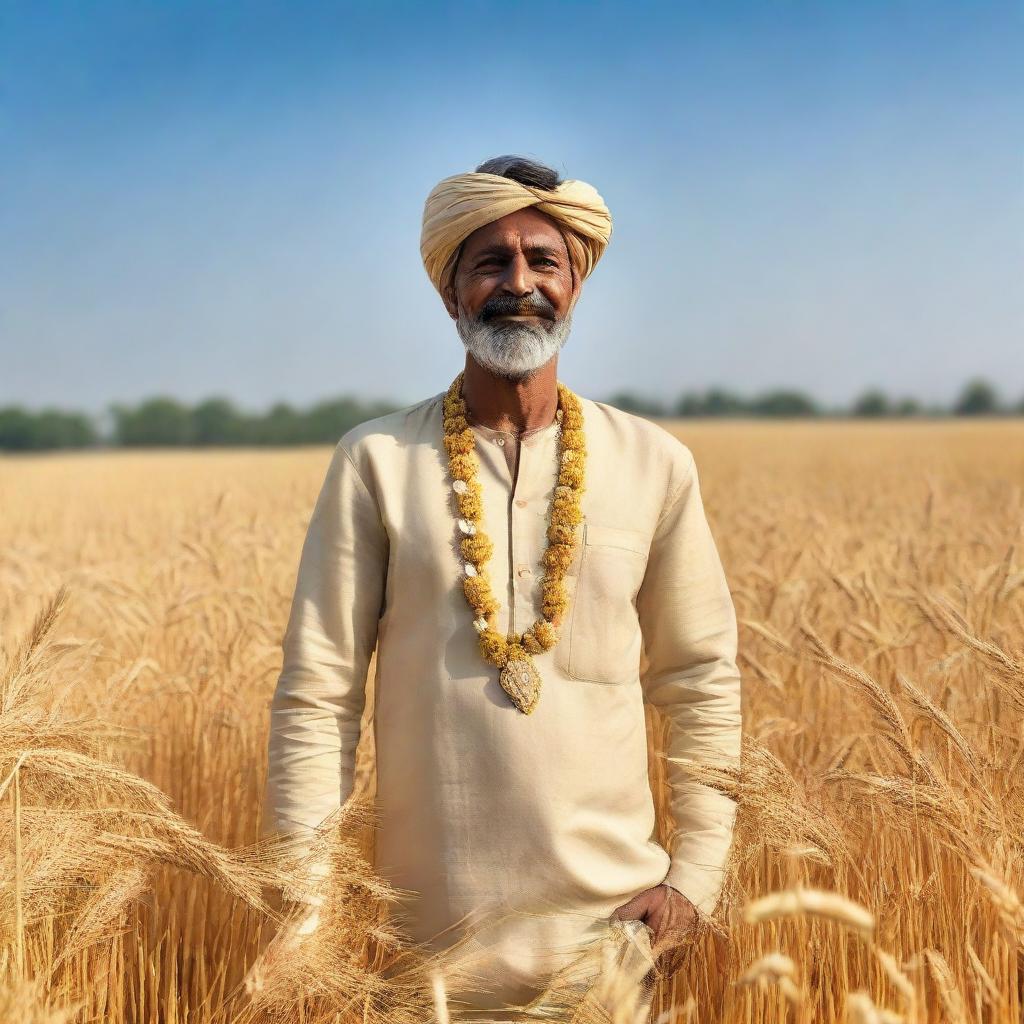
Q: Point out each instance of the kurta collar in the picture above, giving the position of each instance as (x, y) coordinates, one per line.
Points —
(527, 437)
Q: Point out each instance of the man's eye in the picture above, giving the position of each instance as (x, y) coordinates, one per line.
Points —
(493, 261)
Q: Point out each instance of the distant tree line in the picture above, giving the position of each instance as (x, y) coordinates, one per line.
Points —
(166, 422)
(217, 421)
(161, 422)
(977, 398)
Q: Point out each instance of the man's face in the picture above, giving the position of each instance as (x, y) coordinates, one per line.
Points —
(513, 292)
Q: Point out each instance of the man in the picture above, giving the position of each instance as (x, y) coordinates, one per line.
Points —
(523, 790)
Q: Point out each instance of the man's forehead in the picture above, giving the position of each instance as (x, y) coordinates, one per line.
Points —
(515, 231)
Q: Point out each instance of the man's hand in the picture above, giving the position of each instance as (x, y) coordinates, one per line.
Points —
(670, 915)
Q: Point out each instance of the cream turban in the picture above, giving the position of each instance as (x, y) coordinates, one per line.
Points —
(458, 205)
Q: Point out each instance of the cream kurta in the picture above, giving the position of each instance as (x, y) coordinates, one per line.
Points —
(481, 807)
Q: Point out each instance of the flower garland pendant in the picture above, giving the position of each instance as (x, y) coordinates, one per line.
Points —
(512, 654)
(521, 681)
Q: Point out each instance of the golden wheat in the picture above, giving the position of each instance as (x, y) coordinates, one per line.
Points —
(879, 586)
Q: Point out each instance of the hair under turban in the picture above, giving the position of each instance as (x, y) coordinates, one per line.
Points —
(458, 205)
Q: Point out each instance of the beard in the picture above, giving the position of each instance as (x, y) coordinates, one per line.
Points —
(512, 349)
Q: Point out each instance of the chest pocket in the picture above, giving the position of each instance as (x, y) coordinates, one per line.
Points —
(602, 641)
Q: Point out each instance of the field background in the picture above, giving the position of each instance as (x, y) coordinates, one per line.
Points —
(877, 573)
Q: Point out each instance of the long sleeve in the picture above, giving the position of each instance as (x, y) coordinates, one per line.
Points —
(329, 640)
(688, 623)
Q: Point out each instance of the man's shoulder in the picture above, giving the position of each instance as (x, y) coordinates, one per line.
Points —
(636, 433)
(391, 427)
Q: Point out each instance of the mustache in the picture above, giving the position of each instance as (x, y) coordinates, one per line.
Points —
(512, 305)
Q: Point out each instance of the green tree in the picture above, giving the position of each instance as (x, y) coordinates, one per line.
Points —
(328, 420)
(871, 403)
(714, 402)
(783, 403)
(719, 402)
(217, 421)
(21, 430)
(629, 401)
(57, 429)
(156, 422)
(280, 425)
(907, 407)
(978, 398)
(17, 429)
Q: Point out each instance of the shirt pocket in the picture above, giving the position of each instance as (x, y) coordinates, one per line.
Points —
(602, 642)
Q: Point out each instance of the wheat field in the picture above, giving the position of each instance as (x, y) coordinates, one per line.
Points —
(877, 870)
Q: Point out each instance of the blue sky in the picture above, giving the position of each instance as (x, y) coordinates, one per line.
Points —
(202, 198)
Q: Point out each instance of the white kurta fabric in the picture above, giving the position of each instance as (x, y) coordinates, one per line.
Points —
(480, 807)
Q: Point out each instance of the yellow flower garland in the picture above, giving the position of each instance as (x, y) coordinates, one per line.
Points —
(477, 547)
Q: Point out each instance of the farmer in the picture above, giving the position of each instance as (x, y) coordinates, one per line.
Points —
(532, 566)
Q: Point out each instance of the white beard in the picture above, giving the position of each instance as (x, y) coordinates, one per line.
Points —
(512, 349)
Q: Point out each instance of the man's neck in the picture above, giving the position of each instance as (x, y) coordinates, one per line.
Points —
(511, 405)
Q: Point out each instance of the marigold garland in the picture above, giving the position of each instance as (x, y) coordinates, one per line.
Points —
(477, 547)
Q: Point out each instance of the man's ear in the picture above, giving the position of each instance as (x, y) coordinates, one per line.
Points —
(577, 285)
(451, 302)
(450, 295)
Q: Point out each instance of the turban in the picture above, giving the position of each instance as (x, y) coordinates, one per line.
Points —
(458, 205)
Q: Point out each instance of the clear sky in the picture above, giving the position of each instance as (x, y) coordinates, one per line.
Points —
(201, 198)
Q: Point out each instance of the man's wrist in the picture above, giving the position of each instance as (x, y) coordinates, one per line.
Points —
(693, 907)
(701, 889)
(675, 888)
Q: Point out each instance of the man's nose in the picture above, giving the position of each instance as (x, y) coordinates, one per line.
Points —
(517, 279)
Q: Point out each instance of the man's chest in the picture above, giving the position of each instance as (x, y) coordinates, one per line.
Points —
(600, 638)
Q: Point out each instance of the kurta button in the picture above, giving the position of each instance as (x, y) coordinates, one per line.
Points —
(521, 502)
(500, 440)
(524, 571)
